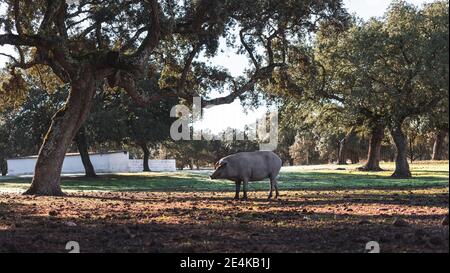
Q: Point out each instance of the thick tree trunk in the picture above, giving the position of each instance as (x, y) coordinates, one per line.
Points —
(65, 124)
(3, 166)
(401, 158)
(438, 145)
(374, 152)
(146, 156)
(82, 145)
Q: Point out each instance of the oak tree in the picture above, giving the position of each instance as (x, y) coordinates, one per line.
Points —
(89, 44)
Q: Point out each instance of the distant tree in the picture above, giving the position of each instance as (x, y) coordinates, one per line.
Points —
(233, 145)
(334, 132)
(28, 124)
(385, 71)
(116, 121)
(187, 152)
(304, 151)
(206, 152)
(106, 126)
(418, 140)
(148, 126)
(438, 145)
(286, 139)
(438, 125)
(82, 144)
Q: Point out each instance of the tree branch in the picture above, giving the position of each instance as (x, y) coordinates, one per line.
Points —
(21, 40)
(17, 17)
(151, 41)
(187, 66)
(128, 83)
(247, 48)
(238, 91)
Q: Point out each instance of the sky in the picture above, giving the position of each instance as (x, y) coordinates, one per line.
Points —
(233, 115)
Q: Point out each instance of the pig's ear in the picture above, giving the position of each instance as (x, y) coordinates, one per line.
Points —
(216, 165)
(219, 164)
(223, 163)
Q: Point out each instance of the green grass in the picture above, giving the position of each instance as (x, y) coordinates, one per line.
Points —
(293, 178)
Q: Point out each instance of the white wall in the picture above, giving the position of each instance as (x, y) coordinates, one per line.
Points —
(117, 162)
(166, 165)
(103, 163)
(135, 165)
(21, 166)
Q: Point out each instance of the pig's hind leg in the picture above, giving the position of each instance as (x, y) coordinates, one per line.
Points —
(271, 189)
(273, 186)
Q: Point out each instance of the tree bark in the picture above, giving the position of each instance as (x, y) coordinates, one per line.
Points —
(3, 166)
(438, 145)
(82, 145)
(374, 152)
(401, 158)
(65, 124)
(146, 156)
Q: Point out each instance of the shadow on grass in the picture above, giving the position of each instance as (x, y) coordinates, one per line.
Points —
(311, 198)
(217, 230)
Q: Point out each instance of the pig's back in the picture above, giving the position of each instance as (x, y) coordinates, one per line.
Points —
(258, 165)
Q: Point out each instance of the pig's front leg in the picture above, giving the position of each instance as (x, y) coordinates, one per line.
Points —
(245, 197)
(238, 188)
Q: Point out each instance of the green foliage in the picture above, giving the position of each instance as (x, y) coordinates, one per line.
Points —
(115, 121)
(205, 153)
(13, 90)
(173, 40)
(389, 69)
(314, 130)
(27, 125)
(384, 71)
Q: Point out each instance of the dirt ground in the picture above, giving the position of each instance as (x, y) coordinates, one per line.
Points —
(302, 221)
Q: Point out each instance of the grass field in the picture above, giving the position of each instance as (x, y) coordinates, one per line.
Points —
(321, 209)
(291, 178)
